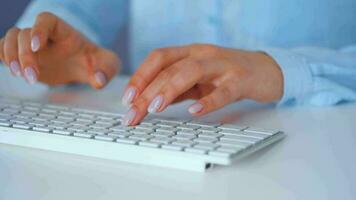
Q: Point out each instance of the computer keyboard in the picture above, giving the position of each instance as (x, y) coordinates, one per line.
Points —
(189, 144)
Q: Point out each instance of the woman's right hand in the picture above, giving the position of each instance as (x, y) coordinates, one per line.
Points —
(55, 53)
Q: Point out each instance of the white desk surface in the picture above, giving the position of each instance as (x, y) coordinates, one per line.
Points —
(315, 161)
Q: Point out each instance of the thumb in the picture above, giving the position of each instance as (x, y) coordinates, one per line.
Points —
(105, 66)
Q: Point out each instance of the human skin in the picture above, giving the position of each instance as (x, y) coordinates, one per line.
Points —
(212, 75)
(54, 53)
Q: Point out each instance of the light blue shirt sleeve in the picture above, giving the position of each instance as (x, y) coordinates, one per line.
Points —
(316, 76)
(100, 21)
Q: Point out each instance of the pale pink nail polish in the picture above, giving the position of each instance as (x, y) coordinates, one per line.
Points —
(100, 78)
(155, 104)
(30, 75)
(195, 108)
(129, 117)
(15, 68)
(35, 43)
(129, 96)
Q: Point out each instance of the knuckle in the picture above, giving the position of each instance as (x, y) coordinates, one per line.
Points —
(26, 57)
(197, 66)
(172, 87)
(209, 102)
(142, 102)
(226, 93)
(137, 79)
(164, 75)
(210, 50)
(158, 55)
(24, 31)
(13, 30)
(206, 49)
(45, 15)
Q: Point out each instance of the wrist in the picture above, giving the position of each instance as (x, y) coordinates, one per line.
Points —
(266, 79)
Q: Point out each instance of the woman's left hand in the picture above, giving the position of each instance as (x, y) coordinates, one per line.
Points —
(212, 75)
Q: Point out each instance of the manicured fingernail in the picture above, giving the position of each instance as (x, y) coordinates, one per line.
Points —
(129, 96)
(35, 43)
(155, 104)
(129, 117)
(100, 78)
(15, 68)
(195, 108)
(30, 75)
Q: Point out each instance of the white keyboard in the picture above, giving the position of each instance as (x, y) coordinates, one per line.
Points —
(190, 145)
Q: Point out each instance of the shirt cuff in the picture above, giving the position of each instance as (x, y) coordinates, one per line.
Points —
(36, 7)
(297, 76)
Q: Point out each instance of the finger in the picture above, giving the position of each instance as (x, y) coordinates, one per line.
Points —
(2, 49)
(181, 77)
(153, 64)
(48, 27)
(169, 84)
(221, 96)
(11, 51)
(28, 60)
(104, 67)
(192, 93)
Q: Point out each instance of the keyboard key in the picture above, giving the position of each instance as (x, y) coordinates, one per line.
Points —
(100, 126)
(194, 150)
(141, 131)
(105, 138)
(42, 129)
(242, 138)
(233, 143)
(81, 123)
(6, 124)
(62, 132)
(140, 137)
(204, 124)
(98, 131)
(168, 124)
(49, 111)
(58, 126)
(163, 140)
(145, 127)
(166, 129)
(209, 129)
(210, 135)
(187, 132)
(78, 128)
(67, 113)
(162, 134)
(184, 137)
(184, 143)
(229, 149)
(232, 127)
(149, 144)
(172, 147)
(121, 134)
(84, 135)
(243, 133)
(121, 127)
(260, 130)
(126, 141)
(220, 154)
(188, 127)
(206, 146)
(22, 126)
(205, 140)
